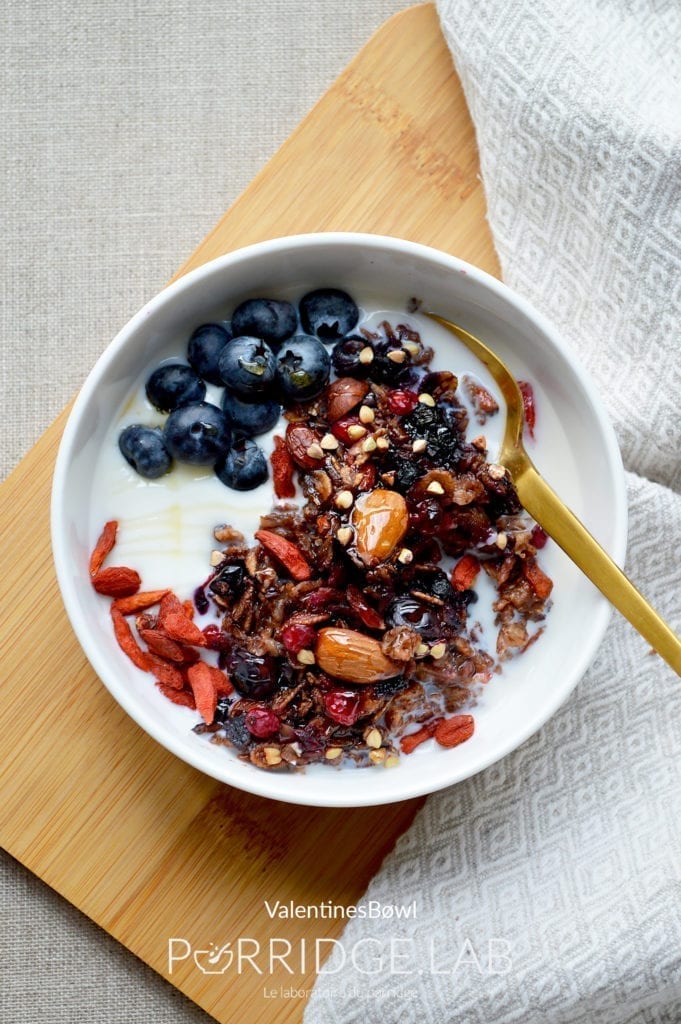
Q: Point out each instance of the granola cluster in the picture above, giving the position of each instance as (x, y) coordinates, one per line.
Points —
(347, 630)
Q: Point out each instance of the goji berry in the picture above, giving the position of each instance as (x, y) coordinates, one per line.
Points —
(104, 544)
(117, 581)
(290, 556)
(450, 732)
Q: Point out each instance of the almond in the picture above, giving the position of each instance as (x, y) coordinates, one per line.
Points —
(380, 519)
(353, 657)
(343, 395)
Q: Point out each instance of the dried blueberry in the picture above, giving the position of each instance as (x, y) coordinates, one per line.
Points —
(407, 611)
(228, 580)
(345, 357)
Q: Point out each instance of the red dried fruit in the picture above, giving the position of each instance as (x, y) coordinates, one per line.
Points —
(321, 599)
(166, 673)
(343, 395)
(170, 604)
(409, 743)
(362, 609)
(262, 722)
(159, 643)
(450, 732)
(104, 544)
(126, 640)
(298, 440)
(401, 402)
(341, 426)
(203, 687)
(216, 640)
(539, 537)
(180, 628)
(529, 407)
(290, 556)
(116, 581)
(282, 470)
(139, 602)
(188, 608)
(296, 637)
(342, 706)
(541, 584)
(182, 697)
(465, 572)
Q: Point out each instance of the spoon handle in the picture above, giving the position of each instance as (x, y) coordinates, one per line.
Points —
(571, 535)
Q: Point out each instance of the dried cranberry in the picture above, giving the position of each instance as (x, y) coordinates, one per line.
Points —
(529, 407)
(401, 402)
(262, 722)
(296, 637)
(340, 429)
(363, 610)
(539, 537)
(342, 706)
(321, 599)
(425, 516)
(201, 601)
(215, 638)
(311, 740)
(253, 675)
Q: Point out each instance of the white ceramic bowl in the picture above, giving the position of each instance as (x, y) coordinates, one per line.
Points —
(575, 450)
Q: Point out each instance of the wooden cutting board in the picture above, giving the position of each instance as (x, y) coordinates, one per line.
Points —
(143, 844)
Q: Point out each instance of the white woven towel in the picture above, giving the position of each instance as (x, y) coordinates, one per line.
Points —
(562, 861)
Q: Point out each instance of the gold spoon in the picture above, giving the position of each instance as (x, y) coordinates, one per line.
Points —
(557, 520)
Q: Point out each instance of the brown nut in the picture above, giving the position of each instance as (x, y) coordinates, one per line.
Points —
(343, 395)
(380, 519)
(353, 657)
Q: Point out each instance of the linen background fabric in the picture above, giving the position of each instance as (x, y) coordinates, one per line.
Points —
(126, 130)
(569, 849)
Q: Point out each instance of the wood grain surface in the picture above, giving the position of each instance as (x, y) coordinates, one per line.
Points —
(143, 844)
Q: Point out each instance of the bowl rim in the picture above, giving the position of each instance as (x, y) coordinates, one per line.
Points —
(257, 782)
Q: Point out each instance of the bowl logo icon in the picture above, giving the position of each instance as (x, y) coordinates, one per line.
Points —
(215, 960)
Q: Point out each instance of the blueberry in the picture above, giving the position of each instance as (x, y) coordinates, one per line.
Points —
(270, 319)
(173, 385)
(198, 434)
(303, 368)
(329, 313)
(345, 357)
(252, 675)
(243, 467)
(250, 418)
(204, 348)
(144, 448)
(247, 367)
